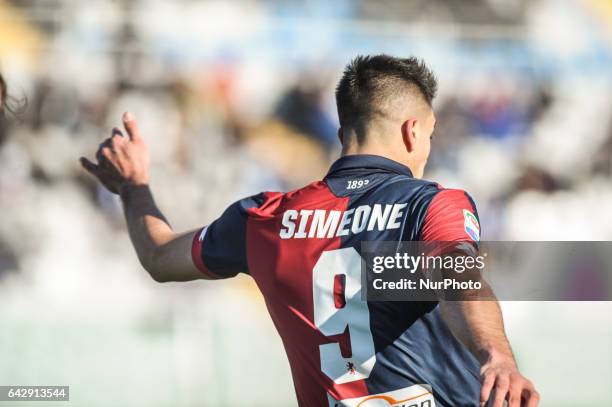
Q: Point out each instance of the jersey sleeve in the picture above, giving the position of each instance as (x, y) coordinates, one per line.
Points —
(219, 249)
(451, 217)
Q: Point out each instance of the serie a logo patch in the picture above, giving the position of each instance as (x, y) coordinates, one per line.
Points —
(470, 223)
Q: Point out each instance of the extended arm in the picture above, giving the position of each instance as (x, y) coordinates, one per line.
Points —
(165, 254)
(479, 325)
(123, 168)
(452, 218)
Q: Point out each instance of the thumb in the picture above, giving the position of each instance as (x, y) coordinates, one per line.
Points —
(89, 166)
(129, 122)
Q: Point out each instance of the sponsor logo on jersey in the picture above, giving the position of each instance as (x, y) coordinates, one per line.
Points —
(470, 223)
(417, 396)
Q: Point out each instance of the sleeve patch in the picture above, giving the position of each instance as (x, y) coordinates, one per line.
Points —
(470, 223)
(451, 217)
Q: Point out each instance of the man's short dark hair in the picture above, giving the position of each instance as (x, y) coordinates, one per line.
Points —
(371, 85)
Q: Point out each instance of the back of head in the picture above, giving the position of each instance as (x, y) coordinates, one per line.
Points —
(378, 92)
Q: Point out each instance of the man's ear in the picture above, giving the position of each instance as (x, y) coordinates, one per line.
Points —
(409, 134)
(340, 135)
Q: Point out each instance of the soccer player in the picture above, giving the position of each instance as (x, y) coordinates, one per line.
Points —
(302, 249)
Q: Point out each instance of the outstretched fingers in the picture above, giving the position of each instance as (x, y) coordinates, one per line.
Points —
(129, 122)
(90, 167)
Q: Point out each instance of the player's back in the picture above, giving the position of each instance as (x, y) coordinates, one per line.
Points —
(303, 250)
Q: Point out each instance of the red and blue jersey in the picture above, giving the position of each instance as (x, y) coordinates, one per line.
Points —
(302, 248)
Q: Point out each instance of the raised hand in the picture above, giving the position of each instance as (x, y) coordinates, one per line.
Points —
(122, 161)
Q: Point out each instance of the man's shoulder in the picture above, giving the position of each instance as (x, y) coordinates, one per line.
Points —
(435, 189)
(394, 188)
(265, 203)
(454, 196)
(405, 188)
(253, 203)
(451, 215)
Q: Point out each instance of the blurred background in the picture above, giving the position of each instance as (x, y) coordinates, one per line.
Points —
(235, 97)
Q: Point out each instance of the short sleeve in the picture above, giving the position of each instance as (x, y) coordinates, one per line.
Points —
(451, 217)
(219, 249)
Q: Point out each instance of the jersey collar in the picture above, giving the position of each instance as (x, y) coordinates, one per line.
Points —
(365, 162)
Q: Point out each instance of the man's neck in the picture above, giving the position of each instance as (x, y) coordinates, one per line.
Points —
(391, 155)
(379, 151)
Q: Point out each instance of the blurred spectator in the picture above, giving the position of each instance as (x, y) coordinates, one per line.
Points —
(229, 109)
(3, 93)
(301, 107)
(3, 97)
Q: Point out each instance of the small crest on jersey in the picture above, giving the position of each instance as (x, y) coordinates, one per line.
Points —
(470, 223)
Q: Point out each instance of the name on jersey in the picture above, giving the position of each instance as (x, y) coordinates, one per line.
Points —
(321, 223)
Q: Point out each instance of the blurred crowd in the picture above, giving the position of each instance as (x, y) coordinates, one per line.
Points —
(532, 146)
(238, 97)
